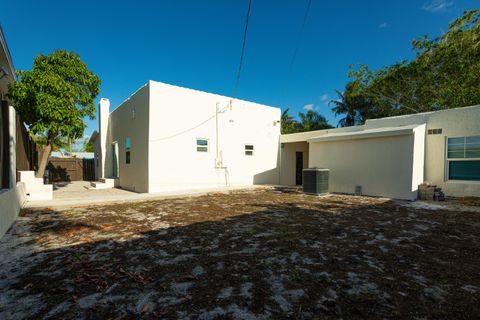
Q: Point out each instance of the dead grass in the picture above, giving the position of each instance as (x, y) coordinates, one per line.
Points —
(261, 254)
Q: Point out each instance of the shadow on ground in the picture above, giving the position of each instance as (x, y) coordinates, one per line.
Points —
(243, 255)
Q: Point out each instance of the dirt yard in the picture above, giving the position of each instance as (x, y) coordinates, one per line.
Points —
(261, 254)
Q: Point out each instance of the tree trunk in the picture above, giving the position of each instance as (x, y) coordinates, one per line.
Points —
(44, 160)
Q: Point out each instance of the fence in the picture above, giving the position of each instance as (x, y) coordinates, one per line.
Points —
(70, 169)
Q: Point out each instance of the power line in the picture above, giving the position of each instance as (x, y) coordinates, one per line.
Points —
(243, 49)
(297, 46)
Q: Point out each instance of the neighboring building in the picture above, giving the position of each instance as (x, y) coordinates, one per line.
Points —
(12, 195)
(66, 154)
(391, 156)
(166, 137)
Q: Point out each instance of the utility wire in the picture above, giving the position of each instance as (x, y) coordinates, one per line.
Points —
(234, 88)
(243, 49)
(297, 46)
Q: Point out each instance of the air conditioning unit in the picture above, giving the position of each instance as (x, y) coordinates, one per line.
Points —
(315, 180)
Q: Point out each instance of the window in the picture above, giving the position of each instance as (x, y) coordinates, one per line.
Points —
(202, 145)
(463, 158)
(249, 149)
(128, 146)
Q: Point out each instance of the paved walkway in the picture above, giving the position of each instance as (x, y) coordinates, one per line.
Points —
(76, 193)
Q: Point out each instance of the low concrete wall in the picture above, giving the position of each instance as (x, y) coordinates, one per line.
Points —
(11, 201)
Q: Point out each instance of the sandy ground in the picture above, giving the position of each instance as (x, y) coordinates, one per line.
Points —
(258, 254)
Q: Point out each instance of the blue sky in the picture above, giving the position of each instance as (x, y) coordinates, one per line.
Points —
(197, 44)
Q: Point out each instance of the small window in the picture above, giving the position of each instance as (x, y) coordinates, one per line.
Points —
(249, 149)
(463, 158)
(202, 145)
(128, 147)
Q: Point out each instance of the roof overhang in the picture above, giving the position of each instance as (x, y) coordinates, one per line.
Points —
(367, 134)
(6, 63)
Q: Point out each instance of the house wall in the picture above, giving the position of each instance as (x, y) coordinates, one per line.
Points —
(11, 201)
(382, 166)
(178, 116)
(130, 119)
(288, 161)
(454, 123)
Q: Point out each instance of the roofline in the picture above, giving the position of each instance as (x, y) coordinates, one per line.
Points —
(4, 45)
(422, 113)
(368, 133)
(94, 136)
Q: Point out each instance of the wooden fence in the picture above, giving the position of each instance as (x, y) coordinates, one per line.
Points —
(70, 169)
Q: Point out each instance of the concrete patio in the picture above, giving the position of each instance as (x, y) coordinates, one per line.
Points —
(76, 193)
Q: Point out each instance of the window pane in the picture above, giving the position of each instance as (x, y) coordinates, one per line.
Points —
(248, 147)
(128, 144)
(456, 154)
(202, 142)
(202, 149)
(464, 170)
(248, 153)
(456, 140)
(474, 139)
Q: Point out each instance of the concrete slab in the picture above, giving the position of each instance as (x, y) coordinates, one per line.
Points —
(77, 193)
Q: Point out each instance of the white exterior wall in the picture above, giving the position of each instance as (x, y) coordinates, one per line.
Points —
(178, 116)
(457, 122)
(289, 161)
(130, 119)
(11, 201)
(390, 166)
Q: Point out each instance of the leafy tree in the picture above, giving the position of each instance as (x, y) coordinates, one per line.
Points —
(88, 146)
(353, 104)
(444, 74)
(288, 124)
(312, 120)
(54, 97)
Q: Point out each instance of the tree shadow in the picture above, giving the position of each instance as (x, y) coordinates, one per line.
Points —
(274, 258)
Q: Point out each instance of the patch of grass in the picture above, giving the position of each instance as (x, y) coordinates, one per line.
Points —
(471, 201)
(295, 276)
(77, 256)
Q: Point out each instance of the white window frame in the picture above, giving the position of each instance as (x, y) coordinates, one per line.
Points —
(245, 150)
(201, 146)
(448, 160)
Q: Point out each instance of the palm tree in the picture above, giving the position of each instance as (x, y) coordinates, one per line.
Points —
(356, 107)
(312, 120)
(288, 124)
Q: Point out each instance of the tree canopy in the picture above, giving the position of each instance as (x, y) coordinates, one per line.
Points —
(309, 121)
(54, 97)
(444, 74)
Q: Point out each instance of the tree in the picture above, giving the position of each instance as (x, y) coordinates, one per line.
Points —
(444, 74)
(312, 120)
(353, 104)
(288, 124)
(54, 97)
(88, 146)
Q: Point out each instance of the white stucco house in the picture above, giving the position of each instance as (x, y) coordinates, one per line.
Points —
(165, 138)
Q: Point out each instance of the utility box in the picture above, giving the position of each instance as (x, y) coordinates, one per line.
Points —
(315, 180)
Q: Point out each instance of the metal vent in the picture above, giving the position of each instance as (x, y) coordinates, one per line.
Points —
(434, 131)
(315, 180)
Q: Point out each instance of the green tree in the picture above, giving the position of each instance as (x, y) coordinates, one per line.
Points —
(353, 104)
(444, 74)
(54, 97)
(288, 124)
(88, 146)
(312, 120)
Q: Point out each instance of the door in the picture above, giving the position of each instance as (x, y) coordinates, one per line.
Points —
(115, 160)
(298, 168)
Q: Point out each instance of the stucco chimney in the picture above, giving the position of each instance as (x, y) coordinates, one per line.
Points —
(103, 115)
